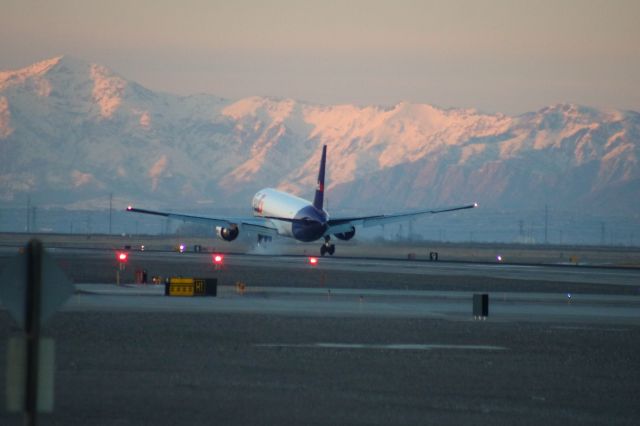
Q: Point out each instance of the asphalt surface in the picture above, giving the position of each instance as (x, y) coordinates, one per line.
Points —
(99, 266)
(350, 341)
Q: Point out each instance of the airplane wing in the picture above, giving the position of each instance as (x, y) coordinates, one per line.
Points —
(338, 225)
(257, 224)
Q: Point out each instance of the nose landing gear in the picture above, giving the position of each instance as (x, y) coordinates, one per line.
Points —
(327, 247)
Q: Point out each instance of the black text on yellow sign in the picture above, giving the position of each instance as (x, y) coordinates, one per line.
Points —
(192, 287)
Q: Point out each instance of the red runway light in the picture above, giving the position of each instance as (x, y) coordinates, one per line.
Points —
(218, 258)
(122, 256)
(313, 261)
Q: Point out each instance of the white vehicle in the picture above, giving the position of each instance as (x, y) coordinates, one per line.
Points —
(283, 214)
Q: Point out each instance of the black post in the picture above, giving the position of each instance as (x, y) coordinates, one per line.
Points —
(32, 328)
(480, 306)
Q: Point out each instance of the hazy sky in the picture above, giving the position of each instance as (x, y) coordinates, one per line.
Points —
(509, 56)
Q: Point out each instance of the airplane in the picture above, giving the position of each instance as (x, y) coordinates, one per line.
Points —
(278, 213)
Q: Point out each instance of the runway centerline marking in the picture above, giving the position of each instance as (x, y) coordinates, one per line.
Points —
(578, 328)
(393, 346)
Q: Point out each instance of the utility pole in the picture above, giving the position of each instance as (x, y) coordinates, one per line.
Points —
(110, 210)
(33, 218)
(521, 226)
(546, 223)
(28, 213)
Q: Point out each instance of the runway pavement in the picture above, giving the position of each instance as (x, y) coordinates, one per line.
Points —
(351, 341)
(99, 266)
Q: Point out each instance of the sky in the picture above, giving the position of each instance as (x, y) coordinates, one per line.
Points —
(508, 56)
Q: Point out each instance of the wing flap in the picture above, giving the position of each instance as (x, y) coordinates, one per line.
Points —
(261, 225)
(226, 222)
(338, 225)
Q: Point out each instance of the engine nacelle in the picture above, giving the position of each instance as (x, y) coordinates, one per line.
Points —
(346, 235)
(227, 234)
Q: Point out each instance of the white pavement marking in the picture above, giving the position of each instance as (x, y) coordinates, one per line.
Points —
(395, 346)
(576, 328)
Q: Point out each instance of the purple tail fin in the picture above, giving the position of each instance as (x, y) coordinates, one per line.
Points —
(318, 200)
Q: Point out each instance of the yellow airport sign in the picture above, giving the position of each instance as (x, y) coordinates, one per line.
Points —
(188, 287)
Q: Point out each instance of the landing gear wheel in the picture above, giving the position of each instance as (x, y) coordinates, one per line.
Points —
(327, 247)
(263, 239)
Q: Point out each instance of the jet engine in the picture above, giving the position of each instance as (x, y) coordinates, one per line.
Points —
(346, 235)
(227, 234)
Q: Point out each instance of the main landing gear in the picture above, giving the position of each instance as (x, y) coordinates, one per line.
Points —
(327, 247)
(263, 239)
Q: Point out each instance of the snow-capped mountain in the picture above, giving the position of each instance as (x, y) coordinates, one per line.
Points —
(71, 132)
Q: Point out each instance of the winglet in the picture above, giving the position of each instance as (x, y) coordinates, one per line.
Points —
(319, 198)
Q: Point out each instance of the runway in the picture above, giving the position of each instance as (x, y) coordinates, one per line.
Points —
(556, 273)
(98, 266)
(350, 341)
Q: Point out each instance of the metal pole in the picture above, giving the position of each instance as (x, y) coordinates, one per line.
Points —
(34, 209)
(546, 223)
(110, 209)
(28, 213)
(32, 328)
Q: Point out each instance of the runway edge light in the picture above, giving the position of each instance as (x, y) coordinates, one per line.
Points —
(218, 259)
(313, 261)
(122, 256)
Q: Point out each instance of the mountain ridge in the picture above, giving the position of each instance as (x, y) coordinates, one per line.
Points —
(75, 130)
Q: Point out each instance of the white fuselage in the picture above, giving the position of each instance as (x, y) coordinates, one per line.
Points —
(271, 203)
